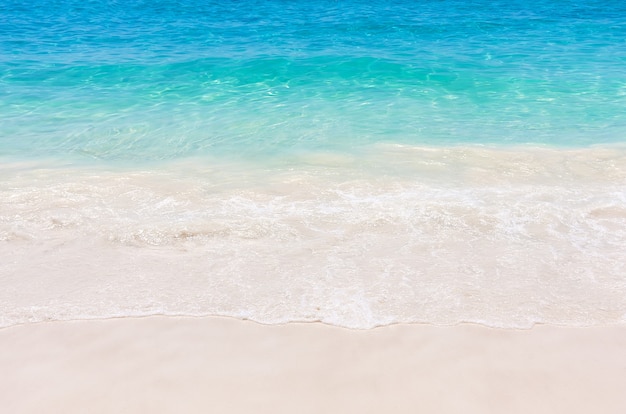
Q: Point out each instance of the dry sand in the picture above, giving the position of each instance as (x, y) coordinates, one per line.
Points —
(220, 365)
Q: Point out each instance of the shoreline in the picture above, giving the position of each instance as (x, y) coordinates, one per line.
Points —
(407, 235)
(180, 364)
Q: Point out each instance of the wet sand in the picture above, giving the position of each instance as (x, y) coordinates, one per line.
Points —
(170, 364)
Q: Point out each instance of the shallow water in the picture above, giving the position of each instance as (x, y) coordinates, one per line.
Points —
(506, 238)
(156, 80)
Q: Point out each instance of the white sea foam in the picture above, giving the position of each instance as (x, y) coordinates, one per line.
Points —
(505, 238)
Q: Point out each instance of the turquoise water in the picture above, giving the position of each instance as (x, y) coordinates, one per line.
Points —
(352, 163)
(149, 80)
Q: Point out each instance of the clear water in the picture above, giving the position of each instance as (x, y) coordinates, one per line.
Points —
(355, 163)
(140, 80)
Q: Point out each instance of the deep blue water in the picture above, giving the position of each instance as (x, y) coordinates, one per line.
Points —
(146, 80)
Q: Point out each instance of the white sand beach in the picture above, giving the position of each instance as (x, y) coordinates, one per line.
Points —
(222, 365)
(312, 207)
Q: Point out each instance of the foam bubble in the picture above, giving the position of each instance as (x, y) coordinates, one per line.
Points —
(505, 238)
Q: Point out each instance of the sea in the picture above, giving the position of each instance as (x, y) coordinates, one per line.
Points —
(349, 162)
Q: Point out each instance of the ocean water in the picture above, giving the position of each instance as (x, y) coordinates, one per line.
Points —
(353, 163)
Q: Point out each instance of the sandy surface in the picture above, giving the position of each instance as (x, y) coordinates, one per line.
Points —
(171, 365)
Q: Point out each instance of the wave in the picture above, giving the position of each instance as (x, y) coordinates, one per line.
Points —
(501, 237)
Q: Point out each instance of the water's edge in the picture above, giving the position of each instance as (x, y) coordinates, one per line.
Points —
(505, 238)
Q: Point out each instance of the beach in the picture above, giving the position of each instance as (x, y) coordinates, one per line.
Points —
(324, 206)
(141, 290)
(173, 364)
